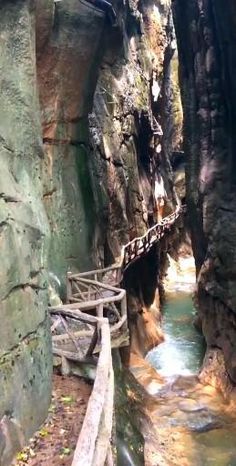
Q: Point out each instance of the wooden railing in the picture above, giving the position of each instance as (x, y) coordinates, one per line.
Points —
(93, 446)
(111, 274)
(100, 299)
(101, 310)
(94, 443)
(142, 244)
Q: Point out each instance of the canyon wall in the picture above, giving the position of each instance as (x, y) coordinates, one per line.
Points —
(25, 356)
(79, 90)
(206, 32)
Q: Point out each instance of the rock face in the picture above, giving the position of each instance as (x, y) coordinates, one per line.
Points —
(129, 94)
(25, 358)
(206, 36)
(68, 61)
(79, 94)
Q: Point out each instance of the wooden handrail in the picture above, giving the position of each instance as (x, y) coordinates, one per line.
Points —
(67, 311)
(96, 271)
(93, 442)
(93, 445)
(170, 219)
(133, 250)
(101, 285)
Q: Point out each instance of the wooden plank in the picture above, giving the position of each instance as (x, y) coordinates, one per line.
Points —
(96, 271)
(93, 304)
(89, 305)
(72, 356)
(102, 285)
(78, 334)
(99, 310)
(75, 313)
(64, 323)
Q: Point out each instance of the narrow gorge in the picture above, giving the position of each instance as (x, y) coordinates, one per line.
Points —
(117, 135)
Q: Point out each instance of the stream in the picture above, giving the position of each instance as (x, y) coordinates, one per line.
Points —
(193, 423)
(183, 349)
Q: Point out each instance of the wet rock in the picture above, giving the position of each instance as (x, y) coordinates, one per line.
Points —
(214, 371)
(200, 421)
(191, 406)
(153, 388)
(205, 425)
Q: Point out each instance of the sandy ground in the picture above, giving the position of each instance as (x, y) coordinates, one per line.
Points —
(54, 443)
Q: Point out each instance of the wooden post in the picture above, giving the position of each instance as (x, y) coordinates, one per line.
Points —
(93, 343)
(99, 310)
(123, 305)
(145, 244)
(65, 366)
(99, 401)
(68, 287)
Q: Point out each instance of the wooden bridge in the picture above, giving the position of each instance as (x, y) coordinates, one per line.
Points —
(142, 245)
(86, 328)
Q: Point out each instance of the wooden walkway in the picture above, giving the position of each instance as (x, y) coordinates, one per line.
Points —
(84, 330)
(142, 245)
(87, 327)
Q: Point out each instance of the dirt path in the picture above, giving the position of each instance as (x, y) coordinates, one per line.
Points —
(54, 443)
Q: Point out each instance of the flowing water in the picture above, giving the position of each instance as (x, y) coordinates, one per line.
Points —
(193, 422)
(183, 349)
